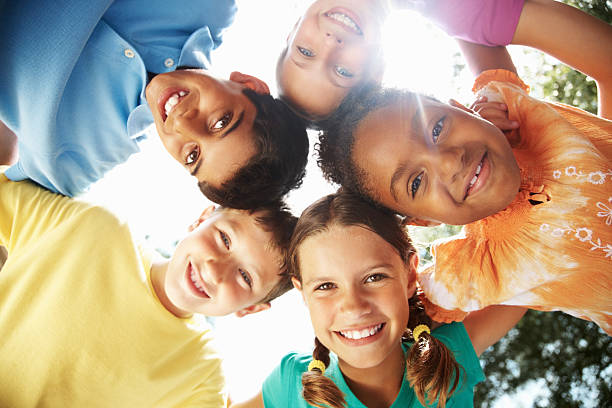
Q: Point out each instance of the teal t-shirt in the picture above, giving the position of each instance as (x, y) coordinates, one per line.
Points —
(283, 387)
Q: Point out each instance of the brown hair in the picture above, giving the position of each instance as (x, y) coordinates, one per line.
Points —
(276, 219)
(432, 370)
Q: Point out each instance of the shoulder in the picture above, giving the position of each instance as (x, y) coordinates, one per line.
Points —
(283, 386)
(456, 338)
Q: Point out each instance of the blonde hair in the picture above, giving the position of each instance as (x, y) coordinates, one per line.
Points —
(431, 368)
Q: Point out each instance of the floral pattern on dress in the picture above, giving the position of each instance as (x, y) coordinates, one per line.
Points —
(593, 177)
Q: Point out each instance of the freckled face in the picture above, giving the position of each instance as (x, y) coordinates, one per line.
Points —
(436, 162)
(334, 46)
(205, 123)
(356, 288)
(222, 266)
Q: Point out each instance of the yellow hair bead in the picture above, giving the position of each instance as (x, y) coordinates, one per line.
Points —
(417, 331)
(317, 364)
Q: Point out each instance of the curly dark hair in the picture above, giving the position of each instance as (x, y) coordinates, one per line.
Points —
(336, 139)
(278, 167)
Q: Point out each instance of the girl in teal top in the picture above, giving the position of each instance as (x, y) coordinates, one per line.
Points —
(355, 268)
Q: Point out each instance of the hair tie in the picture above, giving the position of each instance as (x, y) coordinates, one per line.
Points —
(317, 364)
(417, 331)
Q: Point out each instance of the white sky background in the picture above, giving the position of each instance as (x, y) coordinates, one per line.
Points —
(160, 199)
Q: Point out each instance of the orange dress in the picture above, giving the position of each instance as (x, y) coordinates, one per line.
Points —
(555, 255)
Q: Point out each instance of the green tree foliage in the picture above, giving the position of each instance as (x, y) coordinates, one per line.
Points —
(555, 81)
(569, 357)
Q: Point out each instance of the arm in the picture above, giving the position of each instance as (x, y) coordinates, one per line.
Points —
(8, 146)
(485, 327)
(255, 402)
(572, 36)
(481, 57)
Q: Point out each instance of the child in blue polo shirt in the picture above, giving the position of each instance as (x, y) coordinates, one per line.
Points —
(73, 89)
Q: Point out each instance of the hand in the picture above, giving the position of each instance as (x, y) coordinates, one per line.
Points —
(494, 112)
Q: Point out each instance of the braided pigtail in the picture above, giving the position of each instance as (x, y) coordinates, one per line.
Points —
(431, 369)
(317, 389)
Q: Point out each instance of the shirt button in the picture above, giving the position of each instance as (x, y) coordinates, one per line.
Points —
(128, 53)
(169, 62)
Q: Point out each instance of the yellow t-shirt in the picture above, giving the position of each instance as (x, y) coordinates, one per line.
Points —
(79, 323)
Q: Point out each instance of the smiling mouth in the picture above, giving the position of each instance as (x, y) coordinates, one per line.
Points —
(342, 18)
(472, 186)
(195, 279)
(169, 100)
(362, 333)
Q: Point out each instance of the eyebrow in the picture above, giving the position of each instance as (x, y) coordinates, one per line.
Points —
(237, 123)
(237, 230)
(397, 175)
(401, 169)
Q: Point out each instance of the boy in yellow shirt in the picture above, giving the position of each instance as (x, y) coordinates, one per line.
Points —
(89, 319)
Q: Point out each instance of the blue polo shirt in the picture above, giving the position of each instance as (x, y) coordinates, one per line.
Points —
(73, 76)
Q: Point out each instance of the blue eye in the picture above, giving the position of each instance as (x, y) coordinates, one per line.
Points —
(306, 52)
(225, 239)
(246, 277)
(416, 183)
(437, 129)
(343, 72)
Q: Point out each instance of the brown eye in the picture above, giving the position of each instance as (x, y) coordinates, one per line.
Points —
(222, 122)
(192, 157)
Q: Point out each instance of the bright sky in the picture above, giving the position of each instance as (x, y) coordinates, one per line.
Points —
(160, 199)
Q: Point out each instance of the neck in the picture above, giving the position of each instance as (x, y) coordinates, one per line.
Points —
(377, 387)
(158, 276)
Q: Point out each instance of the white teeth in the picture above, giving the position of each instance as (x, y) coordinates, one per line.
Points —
(196, 282)
(476, 175)
(346, 20)
(360, 334)
(173, 101)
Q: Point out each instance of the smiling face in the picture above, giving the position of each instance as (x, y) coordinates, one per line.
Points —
(334, 46)
(227, 263)
(435, 162)
(356, 288)
(205, 123)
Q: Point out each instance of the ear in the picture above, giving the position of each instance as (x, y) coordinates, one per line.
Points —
(413, 264)
(205, 214)
(253, 309)
(459, 105)
(298, 285)
(419, 222)
(250, 82)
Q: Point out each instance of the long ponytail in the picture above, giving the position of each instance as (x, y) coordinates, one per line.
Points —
(317, 389)
(431, 368)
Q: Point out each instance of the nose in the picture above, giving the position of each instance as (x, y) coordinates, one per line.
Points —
(355, 303)
(187, 122)
(451, 162)
(216, 271)
(332, 39)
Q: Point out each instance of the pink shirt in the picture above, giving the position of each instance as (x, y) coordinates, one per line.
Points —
(486, 22)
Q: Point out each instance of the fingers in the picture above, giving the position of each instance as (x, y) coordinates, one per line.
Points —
(494, 112)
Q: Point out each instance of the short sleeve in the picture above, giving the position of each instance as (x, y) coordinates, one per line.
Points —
(491, 22)
(282, 388)
(456, 338)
